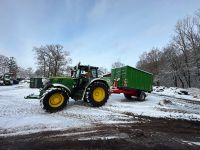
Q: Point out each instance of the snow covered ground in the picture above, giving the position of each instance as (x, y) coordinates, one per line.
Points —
(22, 116)
(187, 94)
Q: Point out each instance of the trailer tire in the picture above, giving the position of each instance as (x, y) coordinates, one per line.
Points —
(97, 94)
(54, 100)
(142, 96)
(128, 96)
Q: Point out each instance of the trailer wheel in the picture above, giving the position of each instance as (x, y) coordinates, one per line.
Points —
(142, 96)
(97, 94)
(127, 96)
(54, 100)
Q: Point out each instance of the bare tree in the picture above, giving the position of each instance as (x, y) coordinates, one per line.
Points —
(178, 64)
(103, 70)
(8, 65)
(184, 41)
(25, 73)
(3, 64)
(151, 61)
(42, 59)
(13, 67)
(51, 59)
(58, 58)
(117, 64)
(196, 43)
(172, 65)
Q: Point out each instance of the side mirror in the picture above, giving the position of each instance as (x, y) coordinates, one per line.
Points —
(72, 73)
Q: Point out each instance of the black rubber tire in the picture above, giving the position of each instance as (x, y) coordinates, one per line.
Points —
(45, 101)
(142, 96)
(128, 96)
(89, 94)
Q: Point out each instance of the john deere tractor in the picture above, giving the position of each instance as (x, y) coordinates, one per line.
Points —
(83, 84)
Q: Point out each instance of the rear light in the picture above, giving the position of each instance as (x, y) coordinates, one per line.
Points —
(125, 83)
(115, 83)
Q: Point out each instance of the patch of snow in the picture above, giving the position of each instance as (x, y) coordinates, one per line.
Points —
(192, 143)
(175, 92)
(24, 116)
(74, 133)
(107, 137)
(151, 108)
(194, 92)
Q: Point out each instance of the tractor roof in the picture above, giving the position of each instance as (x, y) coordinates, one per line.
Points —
(85, 67)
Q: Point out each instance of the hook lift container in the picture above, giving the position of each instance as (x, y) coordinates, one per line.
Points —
(131, 82)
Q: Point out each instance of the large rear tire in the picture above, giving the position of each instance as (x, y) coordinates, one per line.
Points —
(54, 100)
(97, 94)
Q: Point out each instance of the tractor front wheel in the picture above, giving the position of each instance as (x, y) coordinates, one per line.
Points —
(54, 100)
(97, 94)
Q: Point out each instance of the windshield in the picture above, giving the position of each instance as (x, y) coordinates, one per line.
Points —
(77, 73)
(7, 76)
(94, 73)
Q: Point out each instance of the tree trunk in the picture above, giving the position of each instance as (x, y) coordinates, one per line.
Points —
(182, 83)
(175, 80)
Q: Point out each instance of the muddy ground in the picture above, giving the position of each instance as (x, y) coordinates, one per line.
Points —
(148, 133)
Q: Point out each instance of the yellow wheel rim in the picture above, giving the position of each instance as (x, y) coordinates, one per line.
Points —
(99, 94)
(56, 100)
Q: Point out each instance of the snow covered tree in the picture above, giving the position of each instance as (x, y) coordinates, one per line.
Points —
(13, 67)
(172, 66)
(3, 64)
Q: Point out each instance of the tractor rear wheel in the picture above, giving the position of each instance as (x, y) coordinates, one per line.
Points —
(97, 94)
(54, 100)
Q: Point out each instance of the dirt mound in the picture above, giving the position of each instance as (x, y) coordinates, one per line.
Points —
(153, 134)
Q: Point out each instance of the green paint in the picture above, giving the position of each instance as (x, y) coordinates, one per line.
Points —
(132, 78)
(66, 81)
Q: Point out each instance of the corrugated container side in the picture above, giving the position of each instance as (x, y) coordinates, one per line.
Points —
(32, 82)
(136, 79)
(36, 83)
(139, 80)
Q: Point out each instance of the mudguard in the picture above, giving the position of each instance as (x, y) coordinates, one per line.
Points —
(56, 85)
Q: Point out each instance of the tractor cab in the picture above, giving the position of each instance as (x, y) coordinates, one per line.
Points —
(82, 75)
(85, 73)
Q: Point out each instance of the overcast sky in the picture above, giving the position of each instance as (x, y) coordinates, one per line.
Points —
(95, 32)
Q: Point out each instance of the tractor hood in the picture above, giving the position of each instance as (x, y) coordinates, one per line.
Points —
(62, 77)
(65, 80)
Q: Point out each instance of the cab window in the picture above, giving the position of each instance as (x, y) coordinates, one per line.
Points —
(94, 73)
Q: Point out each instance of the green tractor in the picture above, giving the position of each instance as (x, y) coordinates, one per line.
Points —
(83, 84)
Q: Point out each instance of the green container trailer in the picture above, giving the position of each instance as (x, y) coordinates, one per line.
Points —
(131, 81)
(36, 83)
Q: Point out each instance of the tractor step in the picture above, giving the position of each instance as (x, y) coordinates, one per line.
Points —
(32, 96)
